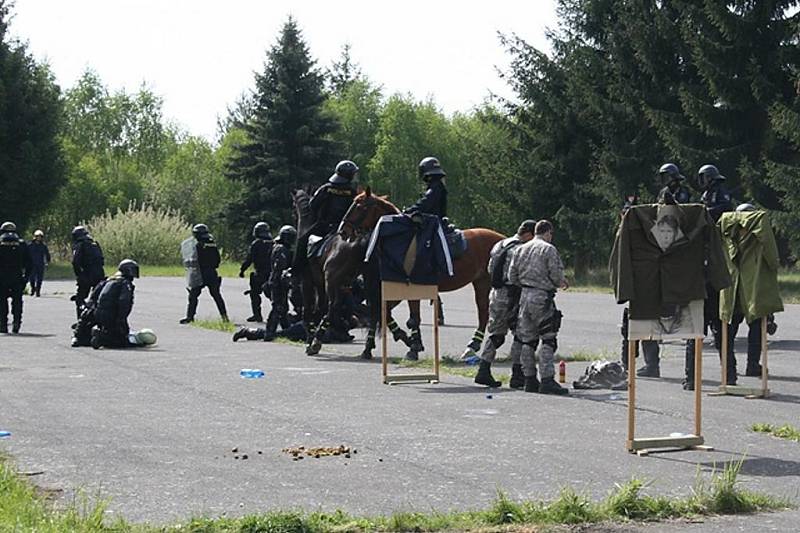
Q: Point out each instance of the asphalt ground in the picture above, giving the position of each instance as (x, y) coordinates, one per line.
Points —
(154, 429)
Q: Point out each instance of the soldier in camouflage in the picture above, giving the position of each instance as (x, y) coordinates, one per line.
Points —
(536, 267)
(503, 308)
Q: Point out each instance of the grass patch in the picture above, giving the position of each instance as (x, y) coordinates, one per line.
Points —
(22, 508)
(216, 325)
(789, 285)
(782, 432)
(63, 270)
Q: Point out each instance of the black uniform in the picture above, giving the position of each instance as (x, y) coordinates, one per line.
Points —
(15, 268)
(82, 329)
(208, 260)
(259, 256)
(717, 199)
(114, 305)
(674, 193)
(433, 201)
(328, 205)
(87, 263)
(279, 288)
(40, 257)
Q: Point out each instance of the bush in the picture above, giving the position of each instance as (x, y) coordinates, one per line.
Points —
(145, 234)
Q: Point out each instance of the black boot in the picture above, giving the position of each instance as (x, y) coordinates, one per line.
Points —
(532, 383)
(4, 325)
(549, 386)
(251, 334)
(186, 320)
(753, 370)
(517, 377)
(484, 375)
(15, 326)
(254, 318)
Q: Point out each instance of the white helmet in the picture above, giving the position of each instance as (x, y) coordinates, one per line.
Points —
(144, 337)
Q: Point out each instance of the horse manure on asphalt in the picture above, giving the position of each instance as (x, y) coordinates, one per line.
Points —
(299, 452)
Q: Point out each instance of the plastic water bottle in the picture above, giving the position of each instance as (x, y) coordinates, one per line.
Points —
(562, 372)
(4, 434)
(251, 373)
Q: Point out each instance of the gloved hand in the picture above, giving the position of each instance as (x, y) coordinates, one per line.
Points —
(241, 273)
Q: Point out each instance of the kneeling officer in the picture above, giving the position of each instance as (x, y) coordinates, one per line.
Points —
(114, 305)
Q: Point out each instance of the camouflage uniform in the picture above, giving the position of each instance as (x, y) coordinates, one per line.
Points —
(503, 305)
(537, 268)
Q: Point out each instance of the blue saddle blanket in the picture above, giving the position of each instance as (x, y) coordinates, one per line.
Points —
(456, 243)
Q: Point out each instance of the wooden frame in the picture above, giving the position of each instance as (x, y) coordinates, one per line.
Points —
(644, 446)
(749, 393)
(392, 291)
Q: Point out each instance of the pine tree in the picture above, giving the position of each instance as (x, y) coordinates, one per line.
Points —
(31, 166)
(289, 136)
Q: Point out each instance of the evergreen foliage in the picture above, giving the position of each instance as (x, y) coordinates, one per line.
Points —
(288, 136)
(31, 165)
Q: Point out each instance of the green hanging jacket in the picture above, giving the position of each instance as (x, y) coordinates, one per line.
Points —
(752, 257)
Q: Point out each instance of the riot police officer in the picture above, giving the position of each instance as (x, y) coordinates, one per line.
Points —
(87, 263)
(202, 271)
(715, 197)
(114, 305)
(434, 199)
(15, 268)
(673, 192)
(259, 256)
(278, 286)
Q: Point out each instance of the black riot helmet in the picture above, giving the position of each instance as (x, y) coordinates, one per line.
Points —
(707, 175)
(8, 227)
(79, 232)
(670, 173)
(430, 168)
(129, 268)
(261, 230)
(287, 235)
(345, 172)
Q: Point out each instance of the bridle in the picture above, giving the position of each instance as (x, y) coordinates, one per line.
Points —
(355, 224)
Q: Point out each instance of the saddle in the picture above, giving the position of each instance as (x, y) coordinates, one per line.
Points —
(456, 242)
(318, 245)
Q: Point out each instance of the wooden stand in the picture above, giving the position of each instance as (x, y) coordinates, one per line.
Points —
(643, 447)
(749, 393)
(392, 291)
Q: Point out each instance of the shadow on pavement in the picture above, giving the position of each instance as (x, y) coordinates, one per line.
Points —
(751, 465)
(36, 335)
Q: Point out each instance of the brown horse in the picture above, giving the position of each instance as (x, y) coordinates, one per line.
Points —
(471, 267)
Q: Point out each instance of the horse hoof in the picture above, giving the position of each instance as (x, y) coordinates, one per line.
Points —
(416, 347)
(469, 352)
(366, 354)
(412, 356)
(314, 347)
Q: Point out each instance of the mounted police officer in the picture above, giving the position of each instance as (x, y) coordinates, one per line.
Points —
(15, 268)
(328, 206)
(278, 287)
(434, 199)
(87, 263)
(40, 257)
(503, 308)
(114, 305)
(259, 256)
(201, 259)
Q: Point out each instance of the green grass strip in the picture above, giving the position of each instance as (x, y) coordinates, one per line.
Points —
(216, 325)
(782, 432)
(22, 508)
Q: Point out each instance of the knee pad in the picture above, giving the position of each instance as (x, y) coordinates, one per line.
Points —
(552, 343)
(497, 340)
(533, 343)
(412, 324)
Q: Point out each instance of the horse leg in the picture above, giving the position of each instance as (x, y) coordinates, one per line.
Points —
(326, 305)
(413, 324)
(309, 305)
(481, 286)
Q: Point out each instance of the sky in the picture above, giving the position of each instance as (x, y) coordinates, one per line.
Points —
(200, 55)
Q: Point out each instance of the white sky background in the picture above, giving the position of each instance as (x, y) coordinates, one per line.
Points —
(200, 55)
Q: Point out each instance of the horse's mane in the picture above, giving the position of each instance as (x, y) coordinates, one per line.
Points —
(382, 200)
(302, 206)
